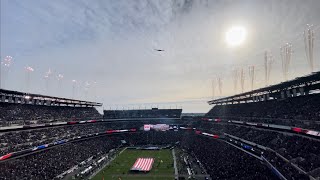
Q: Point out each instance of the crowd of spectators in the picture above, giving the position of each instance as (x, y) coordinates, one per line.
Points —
(289, 111)
(300, 150)
(52, 162)
(142, 113)
(19, 140)
(223, 161)
(11, 113)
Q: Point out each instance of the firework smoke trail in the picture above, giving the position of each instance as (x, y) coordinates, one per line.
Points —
(309, 45)
(266, 68)
(242, 78)
(86, 89)
(28, 70)
(235, 76)
(59, 78)
(74, 84)
(268, 61)
(286, 53)
(5, 63)
(251, 75)
(95, 90)
(213, 88)
(219, 81)
(47, 77)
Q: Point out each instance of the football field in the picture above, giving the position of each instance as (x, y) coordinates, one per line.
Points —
(120, 167)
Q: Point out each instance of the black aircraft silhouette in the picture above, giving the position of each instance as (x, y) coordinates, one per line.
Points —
(159, 49)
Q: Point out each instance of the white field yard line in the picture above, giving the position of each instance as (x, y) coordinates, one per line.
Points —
(102, 167)
(175, 164)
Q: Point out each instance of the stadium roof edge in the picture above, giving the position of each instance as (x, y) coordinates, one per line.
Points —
(296, 82)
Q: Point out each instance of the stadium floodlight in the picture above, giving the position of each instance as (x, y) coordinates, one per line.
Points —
(27, 97)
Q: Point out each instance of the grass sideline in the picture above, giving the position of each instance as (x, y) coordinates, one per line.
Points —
(120, 166)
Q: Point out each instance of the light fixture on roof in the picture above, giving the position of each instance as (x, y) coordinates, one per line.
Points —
(27, 97)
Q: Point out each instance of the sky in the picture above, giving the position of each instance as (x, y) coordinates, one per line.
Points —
(107, 46)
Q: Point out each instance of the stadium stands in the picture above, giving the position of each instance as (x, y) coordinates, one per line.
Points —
(298, 149)
(20, 140)
(21, 108)
(64, 157)
(297, 108)
(291, 103)
(229, 162)
(302, 111)
(143, 113)
(49, 164)
(223, 161)
(24, 113)
(61, 158)
(299, 86)
(25, 152)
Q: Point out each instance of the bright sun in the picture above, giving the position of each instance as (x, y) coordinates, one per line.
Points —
(236, 35)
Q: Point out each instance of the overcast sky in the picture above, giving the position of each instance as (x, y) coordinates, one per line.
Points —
(112, 43)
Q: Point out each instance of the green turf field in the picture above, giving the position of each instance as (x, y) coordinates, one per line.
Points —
(120, 167)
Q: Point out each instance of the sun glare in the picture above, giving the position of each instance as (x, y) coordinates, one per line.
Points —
(236, 35)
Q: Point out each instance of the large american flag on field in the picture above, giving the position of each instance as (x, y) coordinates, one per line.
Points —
(143, 164)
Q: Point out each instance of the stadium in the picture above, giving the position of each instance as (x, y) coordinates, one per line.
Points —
(256, 122)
